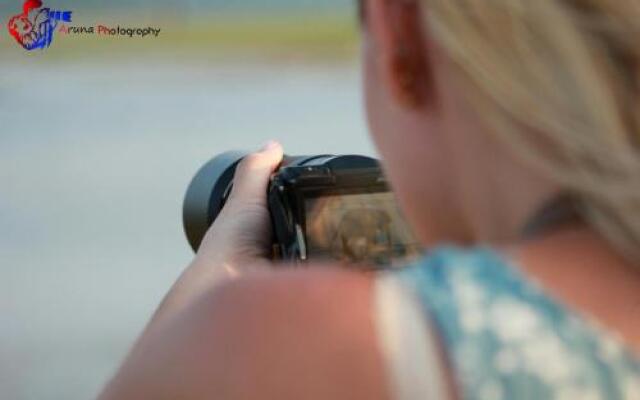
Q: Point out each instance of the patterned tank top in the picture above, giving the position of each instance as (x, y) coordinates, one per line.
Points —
(504, 338)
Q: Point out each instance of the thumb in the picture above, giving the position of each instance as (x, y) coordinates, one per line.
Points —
(253, 173)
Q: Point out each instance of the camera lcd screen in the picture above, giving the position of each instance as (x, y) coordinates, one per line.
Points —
(362, 228)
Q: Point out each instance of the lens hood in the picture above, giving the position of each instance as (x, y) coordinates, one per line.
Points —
(206, 195)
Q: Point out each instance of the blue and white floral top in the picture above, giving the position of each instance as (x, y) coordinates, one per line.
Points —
(503, 337)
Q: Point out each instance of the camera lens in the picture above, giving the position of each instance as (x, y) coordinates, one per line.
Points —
(209, 189)
(206, 195)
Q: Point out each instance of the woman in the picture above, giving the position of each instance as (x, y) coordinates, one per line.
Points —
(509, 127)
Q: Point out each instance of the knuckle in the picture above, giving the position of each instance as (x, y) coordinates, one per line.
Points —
(252, 161)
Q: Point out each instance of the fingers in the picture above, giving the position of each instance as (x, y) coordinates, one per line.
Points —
(253, 172)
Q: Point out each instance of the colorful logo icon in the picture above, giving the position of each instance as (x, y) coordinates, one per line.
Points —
(34, 28)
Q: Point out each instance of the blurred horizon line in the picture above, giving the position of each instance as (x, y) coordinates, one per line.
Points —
(313, 35)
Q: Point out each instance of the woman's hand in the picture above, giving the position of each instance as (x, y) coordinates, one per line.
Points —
(237, 241)
(240, 237)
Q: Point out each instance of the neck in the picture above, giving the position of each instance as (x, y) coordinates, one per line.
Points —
(513, 210)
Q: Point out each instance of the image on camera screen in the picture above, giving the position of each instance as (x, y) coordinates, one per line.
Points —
(360, 228)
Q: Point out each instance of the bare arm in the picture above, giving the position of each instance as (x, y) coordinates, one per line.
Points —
(234, 328)
(280, 335)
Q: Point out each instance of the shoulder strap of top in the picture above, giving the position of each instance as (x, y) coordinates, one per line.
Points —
(406, 343)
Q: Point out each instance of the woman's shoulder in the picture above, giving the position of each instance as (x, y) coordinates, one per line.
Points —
(285, 334)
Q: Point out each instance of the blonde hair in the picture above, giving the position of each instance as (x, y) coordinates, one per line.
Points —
(559, 82)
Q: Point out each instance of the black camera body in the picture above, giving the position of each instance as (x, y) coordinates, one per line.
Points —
(309, 178)
(322, 207)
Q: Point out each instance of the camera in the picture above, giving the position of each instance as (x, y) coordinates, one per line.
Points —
(322, 207)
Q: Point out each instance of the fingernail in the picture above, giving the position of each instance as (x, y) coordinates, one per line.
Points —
(270, 145)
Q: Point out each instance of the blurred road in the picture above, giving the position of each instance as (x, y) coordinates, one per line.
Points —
(94, 161)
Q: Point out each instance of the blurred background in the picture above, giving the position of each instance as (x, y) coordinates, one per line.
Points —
(99, 138)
